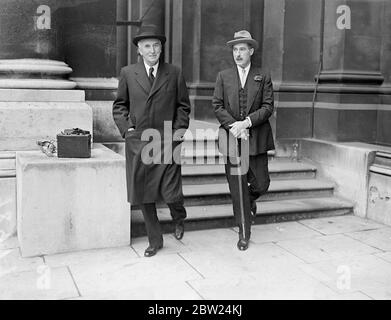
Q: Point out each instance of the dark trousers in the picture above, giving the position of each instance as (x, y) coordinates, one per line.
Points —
(254, 183)
(154, 231)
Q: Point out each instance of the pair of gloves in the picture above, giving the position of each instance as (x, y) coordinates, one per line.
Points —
(239, 129)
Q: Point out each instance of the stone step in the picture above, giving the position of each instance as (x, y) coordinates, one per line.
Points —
(188, 155)
(380, 169)
(7, 173)
(221, 216)
(383, 159)
(218, 193)
(199, 142)
(278, 170)
(208, 156)
(7, 160)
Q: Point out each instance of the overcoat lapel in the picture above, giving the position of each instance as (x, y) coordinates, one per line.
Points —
(161, 79)
(142, 77)
(252, 87)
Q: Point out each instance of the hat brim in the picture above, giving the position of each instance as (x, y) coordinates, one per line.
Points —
(136, 39)
(252, 42)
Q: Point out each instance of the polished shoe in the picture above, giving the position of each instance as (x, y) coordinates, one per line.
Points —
(179, 230)
(242, 244)
(151, 251)
(253, 211)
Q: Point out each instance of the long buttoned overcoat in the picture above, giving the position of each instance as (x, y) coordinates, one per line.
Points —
(156, 112)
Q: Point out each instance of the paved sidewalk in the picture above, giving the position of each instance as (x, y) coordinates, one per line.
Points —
(328, 258)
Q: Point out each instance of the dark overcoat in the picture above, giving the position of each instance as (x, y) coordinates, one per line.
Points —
(164, 108)
(260, 105)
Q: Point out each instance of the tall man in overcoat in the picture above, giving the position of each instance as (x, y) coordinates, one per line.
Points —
(152, 109)
(243, 102)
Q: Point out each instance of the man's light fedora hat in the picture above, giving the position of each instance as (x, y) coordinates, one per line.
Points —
(243, 36)
(148, 32)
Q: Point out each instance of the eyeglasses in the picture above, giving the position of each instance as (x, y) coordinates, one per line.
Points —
(47, 147)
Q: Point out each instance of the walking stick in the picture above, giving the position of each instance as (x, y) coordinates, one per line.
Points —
(240, 188)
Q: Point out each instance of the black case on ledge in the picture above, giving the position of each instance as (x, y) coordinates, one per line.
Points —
(74, 143)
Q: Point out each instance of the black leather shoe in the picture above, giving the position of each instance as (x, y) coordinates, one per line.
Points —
(242, 244)
(253, 211)
(179, 230)
(151, 251)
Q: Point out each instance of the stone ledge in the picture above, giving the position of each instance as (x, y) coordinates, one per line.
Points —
(23, 123)
(79, 204)
(44, 95)
(36, 84)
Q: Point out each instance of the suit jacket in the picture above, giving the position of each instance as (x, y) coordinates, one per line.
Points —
(142, 107)
(260, 105)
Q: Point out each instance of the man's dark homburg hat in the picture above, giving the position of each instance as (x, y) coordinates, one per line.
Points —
(149, 32)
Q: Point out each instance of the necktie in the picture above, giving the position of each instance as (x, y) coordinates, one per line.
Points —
(151, 76)
(242, 78)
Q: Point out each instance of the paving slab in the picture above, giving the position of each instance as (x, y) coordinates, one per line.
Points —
(350, 296)
(379, 238)
(342, 224)
(91, 257)
(326, 248)
(11, 261)
(379, 293)
(227, 262)
(385, 256)
(42, 284)
(368, 274)
(262, 286)
(111, 277)
(158, 291)
(281, 231)
(209, 240)
(170, 246)
(9, 243)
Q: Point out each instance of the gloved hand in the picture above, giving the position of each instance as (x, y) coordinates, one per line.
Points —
(238, 127)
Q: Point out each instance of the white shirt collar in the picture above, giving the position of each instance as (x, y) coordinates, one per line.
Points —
(246, 69)
(155, 67)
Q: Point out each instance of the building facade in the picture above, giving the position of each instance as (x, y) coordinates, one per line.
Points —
(343, 44)
(330, 63)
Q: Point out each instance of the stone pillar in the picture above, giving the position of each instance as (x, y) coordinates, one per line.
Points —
(352, 42)
(31, 46)
(347, 104)
(291, 53)
(384, 113)
(35, 100)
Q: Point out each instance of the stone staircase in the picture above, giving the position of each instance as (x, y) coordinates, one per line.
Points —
(379, 188)
(7, 195)
(382, 162)
(295, 192)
